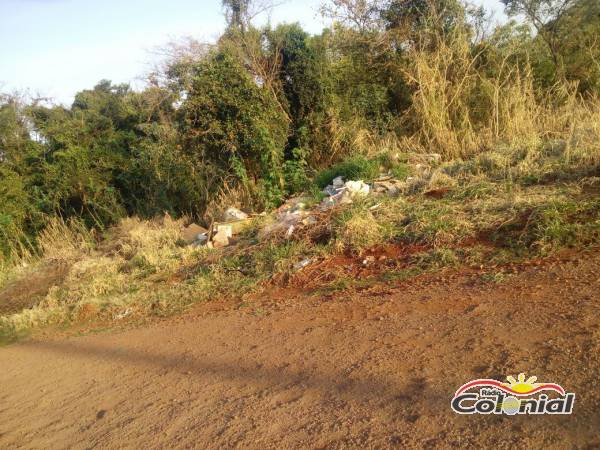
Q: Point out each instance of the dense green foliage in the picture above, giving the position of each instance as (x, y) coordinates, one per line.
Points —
(254, 117)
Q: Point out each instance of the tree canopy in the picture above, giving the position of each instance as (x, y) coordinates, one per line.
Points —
(252, 117)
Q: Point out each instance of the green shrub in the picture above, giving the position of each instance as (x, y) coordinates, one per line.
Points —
(353, 168)
(400, 171)
(234, 130)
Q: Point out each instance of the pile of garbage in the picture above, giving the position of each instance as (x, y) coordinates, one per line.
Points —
(288, 218)
(222, 233)
(293, 214)
(343, 193)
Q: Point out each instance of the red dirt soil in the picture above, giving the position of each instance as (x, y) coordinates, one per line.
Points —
(375, 369)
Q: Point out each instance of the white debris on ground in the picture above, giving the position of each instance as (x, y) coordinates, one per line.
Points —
(340, 193)
(234, 214)
(368, 261)
(302, 264)
(288, 217)
(221, 236)
(294, 214)
(220, 239)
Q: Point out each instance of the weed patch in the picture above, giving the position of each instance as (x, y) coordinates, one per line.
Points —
(353, 168)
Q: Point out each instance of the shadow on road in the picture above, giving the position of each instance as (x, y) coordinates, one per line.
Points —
(338, 382)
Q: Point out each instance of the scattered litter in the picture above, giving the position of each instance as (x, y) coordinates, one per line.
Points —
(338, 182)
(221, 239)
(192, 233)
(225, 228)
(368, 260)
(358, 188)
(234, 214)
(122, 315)
(302, 264)
(201, 240)
(343, 193)
(294, 214)
(331, 190)
(286, 222)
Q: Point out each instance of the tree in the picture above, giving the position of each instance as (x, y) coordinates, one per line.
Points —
(236, 13)
(19, 155)
(569, 29)
(234, 131)
(364, 15)
(239, 13)
(547, 17)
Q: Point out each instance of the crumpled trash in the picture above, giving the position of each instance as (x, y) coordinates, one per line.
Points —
(359, 188)
(336, 186)
(285, 222)
(340, 193)
(192, 233)
(234, 214)
(331, 190)
(338, 182)
(201, 240)
(302, 264)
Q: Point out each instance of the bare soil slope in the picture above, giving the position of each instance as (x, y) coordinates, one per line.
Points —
(373, 370)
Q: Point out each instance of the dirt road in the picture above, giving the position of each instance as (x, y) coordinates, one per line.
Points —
(374, 370)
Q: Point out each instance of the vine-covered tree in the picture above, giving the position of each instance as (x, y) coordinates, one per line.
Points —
(236, 13)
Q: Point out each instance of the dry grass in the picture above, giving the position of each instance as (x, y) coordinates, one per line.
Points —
(459, 111)
(105, 278)
(358, 230)
(64, 241)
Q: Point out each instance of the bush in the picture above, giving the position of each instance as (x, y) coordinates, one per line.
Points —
(235, 130)
(353, 168)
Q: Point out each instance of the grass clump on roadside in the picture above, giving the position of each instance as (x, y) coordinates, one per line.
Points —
(357, 229)
(552, 225)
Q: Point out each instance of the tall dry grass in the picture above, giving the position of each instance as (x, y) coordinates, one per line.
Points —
(60, 242)
(460, 110)
(123, 271)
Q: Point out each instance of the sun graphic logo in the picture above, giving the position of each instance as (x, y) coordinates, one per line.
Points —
(519, 396)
